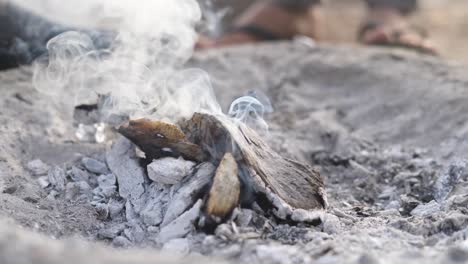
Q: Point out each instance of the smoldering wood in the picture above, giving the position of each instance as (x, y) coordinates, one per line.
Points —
(291, 189)
(224, 193)
(298, 185)
(158, 139)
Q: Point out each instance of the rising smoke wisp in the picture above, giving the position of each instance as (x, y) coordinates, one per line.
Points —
(141, 73)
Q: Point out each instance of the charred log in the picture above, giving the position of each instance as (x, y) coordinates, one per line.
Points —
(158, 139)
(247, 166)
(225, 190)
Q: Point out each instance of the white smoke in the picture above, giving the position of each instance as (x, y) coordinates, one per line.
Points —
(141, 73)
(251, 110)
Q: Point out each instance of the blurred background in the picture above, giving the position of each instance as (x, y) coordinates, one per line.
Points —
(445, 20)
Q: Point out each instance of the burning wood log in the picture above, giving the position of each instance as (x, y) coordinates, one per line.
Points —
(248, 169)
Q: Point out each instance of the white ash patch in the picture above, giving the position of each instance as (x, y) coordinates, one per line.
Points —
(139, 210)
(169, 171)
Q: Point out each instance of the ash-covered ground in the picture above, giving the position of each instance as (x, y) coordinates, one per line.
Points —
(386, 129)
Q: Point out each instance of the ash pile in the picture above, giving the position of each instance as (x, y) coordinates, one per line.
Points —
(163, 186)
(164, 203)
(206, 186)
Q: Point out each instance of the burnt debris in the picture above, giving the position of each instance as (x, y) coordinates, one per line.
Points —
(246, 166)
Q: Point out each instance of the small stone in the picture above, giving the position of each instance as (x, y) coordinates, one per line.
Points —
(179, 246)
(102, 211)
(115, 207)
(169, 170)
(181, 226)
(135, 234)
(77, 174)
(424, 210)
(57, 178)
(43, 182)
(37, 167)
(121, 242)
(112, 231)
(95, 166)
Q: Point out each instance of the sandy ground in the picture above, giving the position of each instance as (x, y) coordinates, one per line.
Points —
(386, 128)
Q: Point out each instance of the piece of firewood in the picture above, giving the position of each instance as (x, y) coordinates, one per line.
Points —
(225, 190)
(294, 191)
(291, 187)
(158, 139)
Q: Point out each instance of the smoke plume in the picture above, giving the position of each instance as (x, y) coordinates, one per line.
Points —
(140, 73)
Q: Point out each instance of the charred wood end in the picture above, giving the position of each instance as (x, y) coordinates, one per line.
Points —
(225, 190)
(158, 139)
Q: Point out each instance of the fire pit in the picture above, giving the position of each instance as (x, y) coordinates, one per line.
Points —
(170, 180)
(247, 169)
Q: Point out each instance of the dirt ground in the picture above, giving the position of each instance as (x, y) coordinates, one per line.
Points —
(389, 145)
(386, 128)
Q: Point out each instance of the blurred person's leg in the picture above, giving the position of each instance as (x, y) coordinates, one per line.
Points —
(269, 20)
(24, 35)
(387, 24)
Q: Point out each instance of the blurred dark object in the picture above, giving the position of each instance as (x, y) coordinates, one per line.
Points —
(24, 36)
(405, 6)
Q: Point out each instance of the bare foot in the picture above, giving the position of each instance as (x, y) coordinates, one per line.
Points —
(389, 27)
(265, 20)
